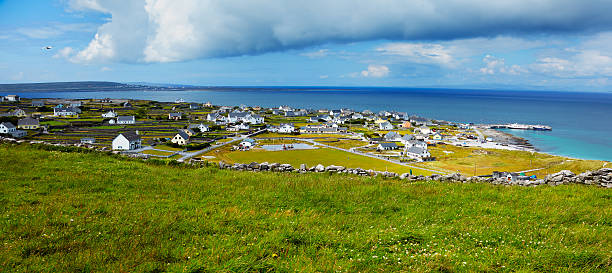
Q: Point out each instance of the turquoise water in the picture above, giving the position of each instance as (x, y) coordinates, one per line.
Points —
(582, 122)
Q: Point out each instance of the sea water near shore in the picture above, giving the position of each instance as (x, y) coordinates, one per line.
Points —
(582, 122)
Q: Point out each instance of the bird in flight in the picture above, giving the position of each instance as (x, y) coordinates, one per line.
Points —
(47, 47)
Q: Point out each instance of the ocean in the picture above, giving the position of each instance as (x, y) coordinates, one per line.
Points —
(581, 122)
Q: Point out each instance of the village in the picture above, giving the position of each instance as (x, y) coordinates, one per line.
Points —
(204, 132)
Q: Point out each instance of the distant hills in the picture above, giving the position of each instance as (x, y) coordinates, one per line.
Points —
(90, 86)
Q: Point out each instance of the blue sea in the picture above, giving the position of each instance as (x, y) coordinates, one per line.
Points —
(581, 122)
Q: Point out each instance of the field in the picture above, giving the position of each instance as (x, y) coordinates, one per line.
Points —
(484, 161)
(89, 212)
(324, 156)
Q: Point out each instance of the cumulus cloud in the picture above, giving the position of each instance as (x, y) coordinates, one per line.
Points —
(376, 71)
(495, 65)
(167, 31)
(65, 52)
(317, 54)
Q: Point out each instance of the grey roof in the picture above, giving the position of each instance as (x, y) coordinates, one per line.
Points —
(125, 118)
(238, 115)
(28, 121)
(408, 137)
(183, 135)
(416, 150)
(8, 125)
(388, 145)
(175, 114)
(392, 134)
(131, 136)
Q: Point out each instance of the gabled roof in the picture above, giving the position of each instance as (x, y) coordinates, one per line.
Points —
(28, 121)
(131, 136)
(416, 150)
(8, 125)
(392, 134)
(388, 145)
(125, 118)
(183, 135)
(408, 137)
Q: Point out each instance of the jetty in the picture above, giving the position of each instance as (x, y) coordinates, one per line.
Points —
(518, 126)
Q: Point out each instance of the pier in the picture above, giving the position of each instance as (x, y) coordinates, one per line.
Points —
(521, 127)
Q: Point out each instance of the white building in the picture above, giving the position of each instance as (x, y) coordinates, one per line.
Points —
(181, 138)
(385, 126)
(286, 128)
(11, 98)
(63, 112)
(417, 153)
(127, 141)
(109, 114)
(7, 128)
(123, 120)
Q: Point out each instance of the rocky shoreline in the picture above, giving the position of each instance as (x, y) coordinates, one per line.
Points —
(510, 139)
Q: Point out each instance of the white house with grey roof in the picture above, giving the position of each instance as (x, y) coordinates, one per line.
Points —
(181, 138)
(123, 120)
(7, 128)
(127, 141)
(417, 153)
(387, 146)
(110, 114)
(385, 126)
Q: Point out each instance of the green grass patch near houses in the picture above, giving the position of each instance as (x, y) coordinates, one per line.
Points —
(74, 212)
(156, 152)
(312, 157)
(168, 148)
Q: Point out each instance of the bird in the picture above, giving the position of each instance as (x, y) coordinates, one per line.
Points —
(47, 47)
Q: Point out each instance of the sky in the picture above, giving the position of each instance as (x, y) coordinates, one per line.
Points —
(559, 45)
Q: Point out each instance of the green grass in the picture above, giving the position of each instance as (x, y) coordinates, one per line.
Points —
(156, 152)
(168, 148)
(324, 156)
(75, 212)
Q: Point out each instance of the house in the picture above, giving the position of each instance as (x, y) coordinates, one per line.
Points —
(19, 113)
(123, 120)
(28, 124)
(208, 104)
(356, 116)
(189, 132)
(109, 114)
(238, 127)
(419, 120)
(406, 138)
(181, 138)
(106, 100)
(423, 130)
(415, 143)
(385, 126)
(254, 119)
(73, 103)
(194, 106)
(88, 140)
(318, 129)
(335, 112)
(236, 117)
(127, 104)
(175, 116)
(65, 111)
(406, 124)
(12, 98)
(7, 128)
(437, 136)
(417, 153)
(247, 143)
(179, 100)
(38, 103)
(286, 128)
(127, 141)
(202, 127)
(386, 146)
(392, 136)
(213, 116)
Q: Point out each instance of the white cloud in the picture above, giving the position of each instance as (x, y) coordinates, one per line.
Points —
(495, 65)
(100, 48)
(54, 30)
(65, 52)
(323, 76)
(419, 52)
(166, 30)
(317, 54)
(376, 71)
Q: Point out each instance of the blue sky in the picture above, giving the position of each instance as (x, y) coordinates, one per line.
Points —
(519, 44)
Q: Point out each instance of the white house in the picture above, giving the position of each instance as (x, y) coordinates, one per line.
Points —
(123, 120)
(254, 119)
(407, 138)
(7, 128)
(109, 114)
(247, 143)
(392, 136)
(286, 128)
(88, 140)
(202, 127)
(62, 112)
(386, 146)
(437, 136)
(417, 153)
(127, 141)
(423, 130)
(415, 143)
(181, 138)
(385, 126)
(12, 98)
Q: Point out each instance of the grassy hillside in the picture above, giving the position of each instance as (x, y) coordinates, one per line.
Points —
(90, 212)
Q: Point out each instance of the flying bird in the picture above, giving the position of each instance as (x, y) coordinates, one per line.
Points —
(47, 47)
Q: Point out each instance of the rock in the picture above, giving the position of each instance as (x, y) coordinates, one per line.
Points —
(320, 168)
(303, 166)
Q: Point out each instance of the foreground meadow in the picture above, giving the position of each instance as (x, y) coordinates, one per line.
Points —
(69, 212)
